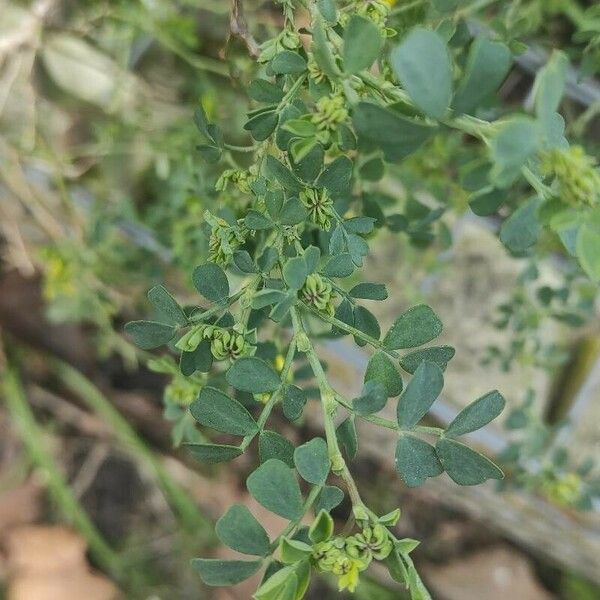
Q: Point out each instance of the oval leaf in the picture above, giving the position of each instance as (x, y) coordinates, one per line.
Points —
(210, 280)
(417, 326)
(477, 414)
(420, 393)
(254, 375)
(217, 572)
(312, 461)
(239, 529)
(465, 466)
(416, 460)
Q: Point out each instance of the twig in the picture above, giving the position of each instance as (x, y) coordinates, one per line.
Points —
(239, 28)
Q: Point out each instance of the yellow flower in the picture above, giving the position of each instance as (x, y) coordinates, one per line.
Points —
(349, 580)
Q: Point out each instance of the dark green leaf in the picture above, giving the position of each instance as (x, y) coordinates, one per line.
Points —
(275, 169)
(420, 393)
(273, 445)
(198, 360)
(243, 261)
(166, 305)
(369, 291)
(150, 334)
(422, 64)
(254, 375)
(339, 266)
(215, 409)
(365, 321)
(210, 280)
(217, 572)
(265, 91)
(440, 355)
(416, 460)
(397, 135)
(288, 63)
(274, 486)
(295, 272)
(371, 400)
(293, 402)
(465, 466)
(362, 44)
(239, 529)
(382, 369)
(312, 461)
(522, 229)
(213, 453)
(477, 414)
(418, 325)
(257, 221)
(293, 212)
(262, 125)
(347, 438)
(337, 178)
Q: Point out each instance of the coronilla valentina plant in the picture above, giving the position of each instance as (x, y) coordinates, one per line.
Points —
(333, 104)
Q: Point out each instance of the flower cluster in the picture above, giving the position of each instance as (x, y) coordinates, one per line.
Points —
(225, 239)
(224, 343)
(318, 292)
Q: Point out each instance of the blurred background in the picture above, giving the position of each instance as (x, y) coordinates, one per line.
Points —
(102, 196)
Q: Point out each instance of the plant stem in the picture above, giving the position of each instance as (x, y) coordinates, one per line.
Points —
(328, 406)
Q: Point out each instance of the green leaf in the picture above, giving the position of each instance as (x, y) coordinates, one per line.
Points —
(347, 438)
(422, 64)
(217, 572)
(273, 445)
(487, 66)
(396, 135)
(414, 327)
(587, 247)
(288, 63)
(239, 529)
(382, 370)
(477, 414)
(339, 266)
(330, 497)
(465, 466)
(362, 44)
(218, 411)
(274, 486)
(369, 291)
(275, 169)
(265, 91)
(322, 528)
(295, 272)
(262, 125)
(200, 359)
(416, 460)
(336, 178)
(328, 10)
(214, 453)
(440, 355)
(293, 402)
(321, 50)
(257, 221)
(522, 229)
(365, 321)
(166, 305)
(420, 393)
(514, 143)
(293, 551)
(243, 261)
(293, 212)
(282, 585)
(312, 461)
(254, 375)
(371, 400)
(210, 280)
(148, 335)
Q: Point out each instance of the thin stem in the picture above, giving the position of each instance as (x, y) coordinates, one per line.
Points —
(240, 148)
(218, 307)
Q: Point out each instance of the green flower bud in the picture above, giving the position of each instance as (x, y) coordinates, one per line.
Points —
(229, 345)
(189, 341)
(575, 173)
(331, 112)
(319, 205)
(224, 239)
(373, 541)
(318, 293)
(239, 177)
(182, 390)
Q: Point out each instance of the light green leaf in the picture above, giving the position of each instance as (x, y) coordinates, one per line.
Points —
(420, 393)
(416, 460)
(362, 44)
(217, 572)
(587, 247)
(422, 64)
(148, 335)
(274, 486)
(465, 466)
(218, 411)
(312, 461)
(512, 146)
(418, 325)
(477, 414)
(549, 86)
(522, 229)
(382, 369)
(321, 528)
(239, 529)
(210, 280)
(254, 375)
(291, 551)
